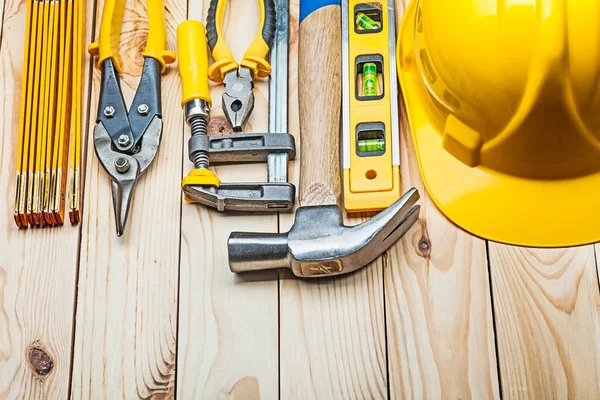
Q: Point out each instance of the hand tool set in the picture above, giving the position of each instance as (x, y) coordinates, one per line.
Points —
(539, 141)
(126, 140)
(276, 147)
(49, 143)
(319, 244)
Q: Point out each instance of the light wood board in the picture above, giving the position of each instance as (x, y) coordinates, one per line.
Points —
(126, 321)
(158, 314)
(547, 310)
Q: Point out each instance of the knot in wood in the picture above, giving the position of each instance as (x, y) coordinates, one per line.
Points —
(218, 126)
(424, 243)
(39, 360)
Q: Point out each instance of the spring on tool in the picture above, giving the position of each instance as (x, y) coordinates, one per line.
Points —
(199, 126)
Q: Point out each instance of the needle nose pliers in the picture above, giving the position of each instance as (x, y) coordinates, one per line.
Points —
(238, 99)
(126, 141)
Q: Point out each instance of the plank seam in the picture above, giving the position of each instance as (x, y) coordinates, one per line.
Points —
(278, 325)
(175, 388)
(179, 273)
(385, 328)
(84, 155)
(3, 23)
(596, 262)
(498, 367)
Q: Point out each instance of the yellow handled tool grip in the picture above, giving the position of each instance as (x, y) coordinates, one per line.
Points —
(156, 46)
(193, 61)
(107, 45)
(224, 61)
(254, 59)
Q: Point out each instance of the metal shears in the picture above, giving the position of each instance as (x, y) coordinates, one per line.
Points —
(126, 141)
(238, 99)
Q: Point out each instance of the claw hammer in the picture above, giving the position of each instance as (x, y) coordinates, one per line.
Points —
(319, 244)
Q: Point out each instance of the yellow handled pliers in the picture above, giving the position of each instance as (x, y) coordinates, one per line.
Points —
(126, 141)
(238, 99)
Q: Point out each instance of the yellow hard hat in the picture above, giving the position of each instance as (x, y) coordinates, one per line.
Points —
(503, 101)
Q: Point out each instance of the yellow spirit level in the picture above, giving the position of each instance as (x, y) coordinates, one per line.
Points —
(370, 132)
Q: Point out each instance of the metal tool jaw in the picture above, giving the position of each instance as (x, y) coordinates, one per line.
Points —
(320, 245)
(127, 127)
(125, 142)
(244, 148)
(238, 98)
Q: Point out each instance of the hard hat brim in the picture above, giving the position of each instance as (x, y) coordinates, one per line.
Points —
(487, 203)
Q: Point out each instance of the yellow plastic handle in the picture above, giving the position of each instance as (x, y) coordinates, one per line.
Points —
(107, 45)
(255, 57)
(193, 61)
(224, 60)
(156, 46)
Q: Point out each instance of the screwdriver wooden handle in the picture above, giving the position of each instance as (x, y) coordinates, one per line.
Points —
(319, 85)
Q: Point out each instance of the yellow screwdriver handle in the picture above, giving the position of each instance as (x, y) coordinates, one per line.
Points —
(156, 46)
(193, 61)
(107, 45)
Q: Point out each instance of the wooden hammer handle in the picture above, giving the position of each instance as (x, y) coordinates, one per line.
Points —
(319, 85)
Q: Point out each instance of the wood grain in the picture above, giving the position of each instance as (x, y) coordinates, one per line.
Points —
(228, 326)
(438, 306)
(333, 337)
(37, 266)
(126, 320)
(438, 303)
(547, 309)
(319, 93)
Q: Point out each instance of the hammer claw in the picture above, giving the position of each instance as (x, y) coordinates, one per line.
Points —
(397, 218)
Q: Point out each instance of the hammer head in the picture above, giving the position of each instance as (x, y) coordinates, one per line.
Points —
(320, 245)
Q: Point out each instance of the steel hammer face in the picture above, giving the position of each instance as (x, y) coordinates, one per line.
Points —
(319, 245)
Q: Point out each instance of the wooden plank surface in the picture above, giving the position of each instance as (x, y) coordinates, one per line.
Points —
(228, 327)
(547, 309)
(438, 304)
(158, 313)
(126, 321)
(37, 266)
